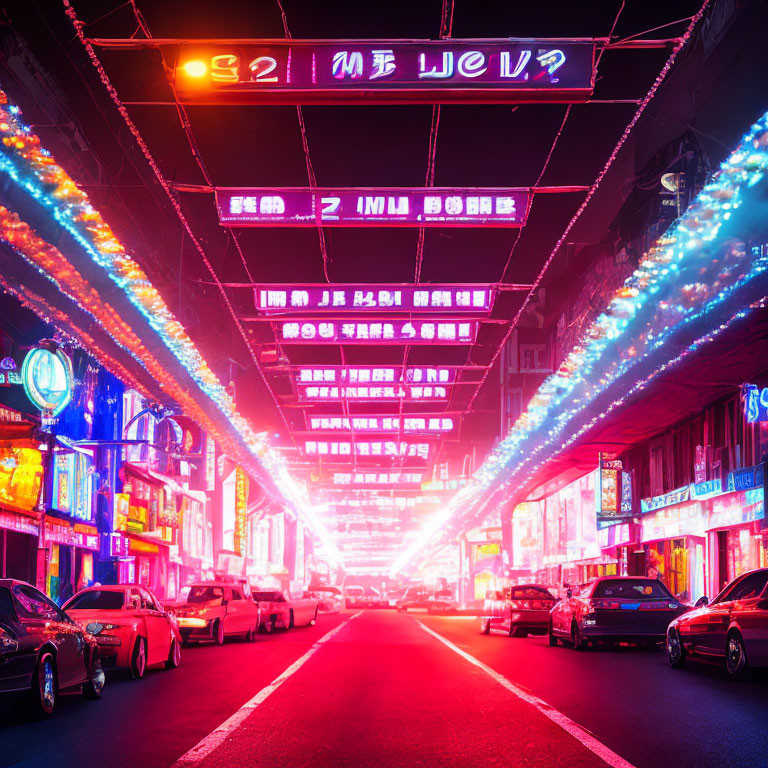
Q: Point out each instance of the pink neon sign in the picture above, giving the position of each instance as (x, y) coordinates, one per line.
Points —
(360, 207)
(375, 375)
(378, 478)
(363, 297)
(329, 393)
(389, 71)
(380, 448)
(424, 424)
(376, 331)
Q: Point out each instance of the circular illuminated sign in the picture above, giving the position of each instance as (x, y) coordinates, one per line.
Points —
(47, 378)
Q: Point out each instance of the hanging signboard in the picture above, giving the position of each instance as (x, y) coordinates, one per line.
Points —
(409, 424)
(374, 207)
(48, 379)
(363, 297)
(241, 506)
(365, 374)
(386, 71)
(755, 403)
(420, 393)
(376, 331)
(378, 479)
(365, 448)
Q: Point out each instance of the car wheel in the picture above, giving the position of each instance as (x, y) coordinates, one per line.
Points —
(250, 635)
(551, 636)
(314, 621)
(139, 659)
(577, 641)
(174, 655)
(43, 693)
(291, 625)
(268, 625)
(486, 628)
(93, 687)
(218, 632)
(674, 648)
(736, 663)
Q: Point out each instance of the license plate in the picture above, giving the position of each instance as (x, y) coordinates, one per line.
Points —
(630, 606)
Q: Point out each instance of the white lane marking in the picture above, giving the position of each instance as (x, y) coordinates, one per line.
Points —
(606, 754)
(204, 748)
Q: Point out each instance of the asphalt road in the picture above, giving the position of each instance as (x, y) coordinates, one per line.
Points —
(382, 691)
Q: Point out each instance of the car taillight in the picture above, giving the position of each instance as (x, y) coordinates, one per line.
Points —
(536, 604)
(658, 606)
(604, 605)
(514, 605)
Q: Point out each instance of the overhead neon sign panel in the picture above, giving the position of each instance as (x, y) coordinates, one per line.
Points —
(376, 375)
(407, 423)
(379, 448)
(362, 297)
(388, 71)
(379, 479)
(372, 207)
(421, 393)
(376, 331)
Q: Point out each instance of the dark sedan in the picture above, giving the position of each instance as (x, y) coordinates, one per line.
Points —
(42, 650)
(518, 611)
(615, 609)
(733, 628)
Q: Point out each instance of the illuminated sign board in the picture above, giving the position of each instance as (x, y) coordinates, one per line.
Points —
(427, 424)
(48, 379)
(73, 485)
(362, 297)
(375, 375)
(373, 392)
(387, 71)
(378, 478)
(241, 506)
(755, 403)
(381, 448)
(376, 331)
(362, 206)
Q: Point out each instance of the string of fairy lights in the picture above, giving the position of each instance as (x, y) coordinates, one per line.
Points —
(24, 160)
(689, 274)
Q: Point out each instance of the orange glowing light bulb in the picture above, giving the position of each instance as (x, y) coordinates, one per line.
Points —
(195, 68)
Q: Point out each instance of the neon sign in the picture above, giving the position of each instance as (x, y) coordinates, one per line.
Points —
(378, 478)
(408, 423)
(47, 378)
(376, 331)
(384, 392)
(362, 297)
(366, 448)
(375, 375)
(755, 403)
(389, 71)
(360, 207)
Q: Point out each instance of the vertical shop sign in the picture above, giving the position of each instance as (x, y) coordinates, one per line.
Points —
(241, 504)
(210, 463)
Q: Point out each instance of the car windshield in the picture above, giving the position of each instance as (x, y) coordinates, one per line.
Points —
(516, 593)
(631, 588)
(204, 594)
(266, 597)
(98, 599)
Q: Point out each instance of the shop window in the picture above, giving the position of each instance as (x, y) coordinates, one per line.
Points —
(534, 358)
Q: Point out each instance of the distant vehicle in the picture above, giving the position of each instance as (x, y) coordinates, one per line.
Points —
(419, 598)
(329, 599)
(131, 628)
(362, 597)
(43, 650)
(215, 610)
(518, 610)
(615, 609)
(392, 597)
(733, 628)
(280, 612)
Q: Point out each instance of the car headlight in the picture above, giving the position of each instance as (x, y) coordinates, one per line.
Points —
(95, 627)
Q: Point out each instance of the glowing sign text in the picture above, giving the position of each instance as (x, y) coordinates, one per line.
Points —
(368, 375)
(377, 478)
(378, 332)
(412, 424)
(366, 448)
(385, 392)
(360, 207)
(339, 298)
(389, 71)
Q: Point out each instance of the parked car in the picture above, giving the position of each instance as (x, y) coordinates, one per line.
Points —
(363, 597)
(215, 610)
(329, 599)
(43, 650)
(280, 612)
(442, 601)
(130, 626)
(414, 599)
(518, 610)
(733, 628)
(393, 597)
(615, 609)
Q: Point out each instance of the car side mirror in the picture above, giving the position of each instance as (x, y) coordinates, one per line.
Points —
(702, 601)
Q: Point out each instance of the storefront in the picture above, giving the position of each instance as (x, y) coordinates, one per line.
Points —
(736, 534)
(674, 542)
